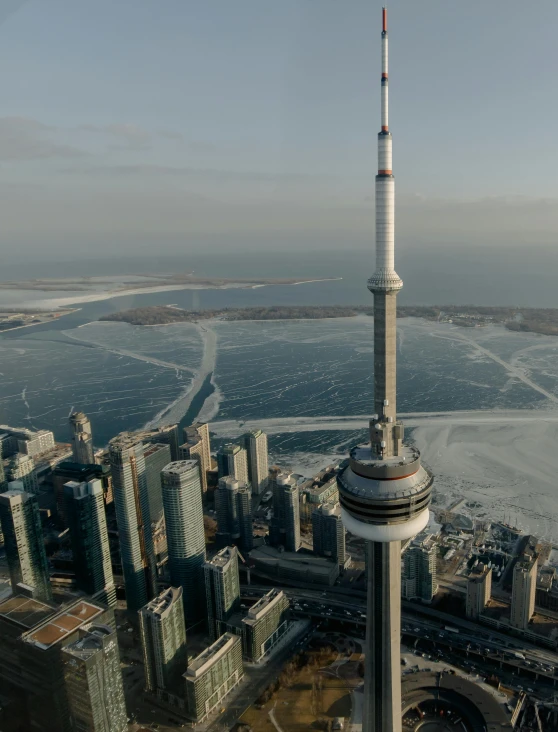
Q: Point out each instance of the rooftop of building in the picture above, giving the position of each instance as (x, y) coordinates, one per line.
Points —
(78, 417)
(90, 643)
(321, 481)
(525, 563)
(161, 604)
(14, 496)
(25, 611)
(223, 557)
(479, 573)
(259, 609)
(269, 555)
(125, 441)
(65, 622)
(78, 471)
(207, 658)
(154, 447)
(179, 467)
(479, 705)
(230, 449)
(55, 455)
(329, 509)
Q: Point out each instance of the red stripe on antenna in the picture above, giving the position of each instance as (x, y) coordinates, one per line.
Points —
(384, 19)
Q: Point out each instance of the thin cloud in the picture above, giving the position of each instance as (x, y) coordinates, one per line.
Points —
(27, 139)
(208, 174)
(128, 136)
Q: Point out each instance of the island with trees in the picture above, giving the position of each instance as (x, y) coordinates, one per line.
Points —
(533, 320)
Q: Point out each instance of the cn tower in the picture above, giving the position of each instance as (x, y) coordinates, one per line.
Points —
(384, 491)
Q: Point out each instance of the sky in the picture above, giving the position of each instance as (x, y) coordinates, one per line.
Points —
(180, 124)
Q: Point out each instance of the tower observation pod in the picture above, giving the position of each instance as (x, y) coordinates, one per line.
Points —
(384, 490)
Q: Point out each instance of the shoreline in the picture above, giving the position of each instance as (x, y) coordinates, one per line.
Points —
(59, 302)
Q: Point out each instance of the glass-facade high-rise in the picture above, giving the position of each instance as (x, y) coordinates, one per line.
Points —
(94, 681)
(233, 505)
(85, 512)
(156, 456)
(182, 503)
(222, 589)
(131, 501)
(24, 543)
(163, 639)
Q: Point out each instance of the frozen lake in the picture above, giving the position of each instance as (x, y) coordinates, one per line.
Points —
(482, 404)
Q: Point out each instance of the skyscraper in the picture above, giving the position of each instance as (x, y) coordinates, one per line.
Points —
(85, 512)
(384, 491)
(24, 544)
(82, 439)
(285, 522)
(156, 455)
(523, 591)
(479, 587)
(68, 472)
(233, 504)
(328, 533)
(255, 444)
(134, 521)
(182, 503)
(222, 589)
(419, 571)
(94, 681)
(22, 467)
(198, 447)
(163, 639)
(233, 460)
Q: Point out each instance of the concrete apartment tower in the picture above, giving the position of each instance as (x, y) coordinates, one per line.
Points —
(163, 639)
(328, 533)
(523, 592)
(94, 681)
(255, 444)
(419, 571)
(479, 587)
(131, 500)
(24, 544)
(82, 439)
(197, 447)
(85, 514)
(182, 503)
(222, 589)
(235, 521)
(233, 460)
(384, 491)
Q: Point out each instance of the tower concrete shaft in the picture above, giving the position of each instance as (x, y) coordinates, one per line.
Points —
(383, 490)
(382, 671)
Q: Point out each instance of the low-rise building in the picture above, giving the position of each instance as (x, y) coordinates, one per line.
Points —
(212, 675)
(296, 567)
(265, 624)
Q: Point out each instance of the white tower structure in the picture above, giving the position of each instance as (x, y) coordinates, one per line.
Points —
(383, 490)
